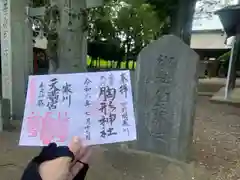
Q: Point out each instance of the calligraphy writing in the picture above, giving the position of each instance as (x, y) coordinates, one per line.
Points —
(123, 85)
(168, 65)
(158, 113)
(111, 79)
(53, 94)
(87, 104)
(41, 95)
(107, 95)
(6, 48)
(124, 113)
(66, 93)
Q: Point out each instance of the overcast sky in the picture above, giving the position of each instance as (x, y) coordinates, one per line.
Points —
(208, 24)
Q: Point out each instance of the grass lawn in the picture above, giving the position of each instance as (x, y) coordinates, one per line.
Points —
(106, 64)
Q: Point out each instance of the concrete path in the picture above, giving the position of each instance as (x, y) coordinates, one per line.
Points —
(208, 87)
(221, 81)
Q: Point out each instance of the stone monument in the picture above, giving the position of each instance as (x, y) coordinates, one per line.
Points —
(166, 90)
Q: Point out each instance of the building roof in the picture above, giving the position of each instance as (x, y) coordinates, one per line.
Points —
(230, 18)
(208, 31)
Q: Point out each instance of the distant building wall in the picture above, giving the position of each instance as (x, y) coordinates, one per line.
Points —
(210, 40)
(210, 44)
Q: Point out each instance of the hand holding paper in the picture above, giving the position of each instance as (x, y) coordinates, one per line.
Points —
(97, 107)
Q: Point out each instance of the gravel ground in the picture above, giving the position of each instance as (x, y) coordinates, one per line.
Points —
(216, 142)
(216, 145)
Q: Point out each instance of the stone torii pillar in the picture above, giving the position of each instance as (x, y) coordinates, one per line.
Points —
(68, 52)
(16, 55)
(17, 52)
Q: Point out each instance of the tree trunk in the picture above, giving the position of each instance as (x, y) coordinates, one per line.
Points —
(70, 54)
(181, 19)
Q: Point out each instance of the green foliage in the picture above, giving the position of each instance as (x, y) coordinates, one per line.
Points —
(103, 64)
(100, 24)
(165, 11)
(225, 56)
(131, 24)
(139, 21)
(38, 3)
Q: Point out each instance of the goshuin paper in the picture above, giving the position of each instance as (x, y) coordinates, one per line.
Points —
(97, 107)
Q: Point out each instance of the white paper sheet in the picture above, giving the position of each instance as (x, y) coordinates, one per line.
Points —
(97, 107)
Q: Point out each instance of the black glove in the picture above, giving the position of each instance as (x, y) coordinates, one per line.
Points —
(49, 153)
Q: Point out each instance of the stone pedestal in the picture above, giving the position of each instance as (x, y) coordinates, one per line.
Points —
(17, 54)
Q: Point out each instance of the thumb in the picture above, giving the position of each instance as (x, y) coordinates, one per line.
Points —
(75, 146)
